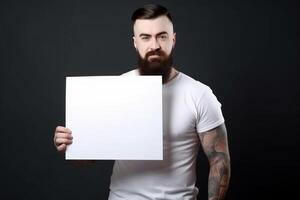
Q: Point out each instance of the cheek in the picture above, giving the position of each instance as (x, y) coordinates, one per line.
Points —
(168, 49)
(168, 46)
(141, 50)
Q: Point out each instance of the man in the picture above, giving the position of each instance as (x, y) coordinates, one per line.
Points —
(192, 118)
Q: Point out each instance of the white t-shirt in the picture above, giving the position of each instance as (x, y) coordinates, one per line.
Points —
(189, 108)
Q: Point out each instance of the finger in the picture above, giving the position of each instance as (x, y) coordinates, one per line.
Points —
(62, 129)
(64, 135)
(60, 141)
(61, 147)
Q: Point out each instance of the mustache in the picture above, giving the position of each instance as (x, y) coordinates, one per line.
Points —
(156, 52)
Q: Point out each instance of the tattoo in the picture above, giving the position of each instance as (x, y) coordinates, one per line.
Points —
(215, 146)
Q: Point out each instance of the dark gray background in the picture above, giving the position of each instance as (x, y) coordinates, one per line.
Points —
(247, 52)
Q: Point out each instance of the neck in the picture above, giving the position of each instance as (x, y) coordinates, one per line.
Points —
(173, 74)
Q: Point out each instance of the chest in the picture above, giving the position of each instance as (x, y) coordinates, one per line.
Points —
(179, 115)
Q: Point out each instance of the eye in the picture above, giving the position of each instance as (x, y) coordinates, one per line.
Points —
(163, 37)
(145, 38)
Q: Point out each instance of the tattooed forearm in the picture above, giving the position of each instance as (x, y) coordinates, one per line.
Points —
(215, 146)
(218, 177)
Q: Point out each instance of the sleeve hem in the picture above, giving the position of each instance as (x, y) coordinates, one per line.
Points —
(211, 126)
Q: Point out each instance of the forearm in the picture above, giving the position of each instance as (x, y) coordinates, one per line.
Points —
(219, 177)
(215, 146)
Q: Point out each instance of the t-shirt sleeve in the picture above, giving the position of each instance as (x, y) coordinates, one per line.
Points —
(209, 113)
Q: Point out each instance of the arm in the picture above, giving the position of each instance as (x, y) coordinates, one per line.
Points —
(215, 146)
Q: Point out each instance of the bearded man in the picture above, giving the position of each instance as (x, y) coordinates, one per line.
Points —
(192, 118)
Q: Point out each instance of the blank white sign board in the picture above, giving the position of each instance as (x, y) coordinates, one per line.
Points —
(114, 117)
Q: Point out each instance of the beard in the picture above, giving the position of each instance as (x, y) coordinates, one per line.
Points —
(156, 63)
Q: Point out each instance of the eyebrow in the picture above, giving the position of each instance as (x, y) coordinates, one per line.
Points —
(160, 33)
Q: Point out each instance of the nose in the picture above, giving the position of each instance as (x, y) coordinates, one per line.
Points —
(154, 46)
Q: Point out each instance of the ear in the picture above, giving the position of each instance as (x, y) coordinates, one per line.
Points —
(134, 42)
(174, 39)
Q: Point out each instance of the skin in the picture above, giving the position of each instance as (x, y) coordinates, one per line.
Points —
(215, 146)
(154, 34)
(151, 35)
(62, 138)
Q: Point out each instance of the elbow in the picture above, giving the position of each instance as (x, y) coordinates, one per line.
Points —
(220, 164)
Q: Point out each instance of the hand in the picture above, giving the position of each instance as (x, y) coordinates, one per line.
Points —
(62, 138)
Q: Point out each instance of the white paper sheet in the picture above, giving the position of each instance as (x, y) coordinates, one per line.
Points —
(114, 117)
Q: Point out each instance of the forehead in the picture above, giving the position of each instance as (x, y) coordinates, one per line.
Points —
(153, 26)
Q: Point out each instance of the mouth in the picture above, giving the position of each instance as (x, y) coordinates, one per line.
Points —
(154, 57)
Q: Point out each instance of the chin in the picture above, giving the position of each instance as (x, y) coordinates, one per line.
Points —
(154, 65)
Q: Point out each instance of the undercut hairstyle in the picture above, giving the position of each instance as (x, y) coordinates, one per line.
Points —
(150, 11)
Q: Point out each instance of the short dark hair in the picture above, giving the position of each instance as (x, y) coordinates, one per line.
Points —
(150, 11)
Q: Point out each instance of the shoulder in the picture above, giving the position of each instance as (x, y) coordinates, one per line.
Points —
(194, 87)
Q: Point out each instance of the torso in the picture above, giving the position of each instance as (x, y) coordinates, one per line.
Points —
(174, 177)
